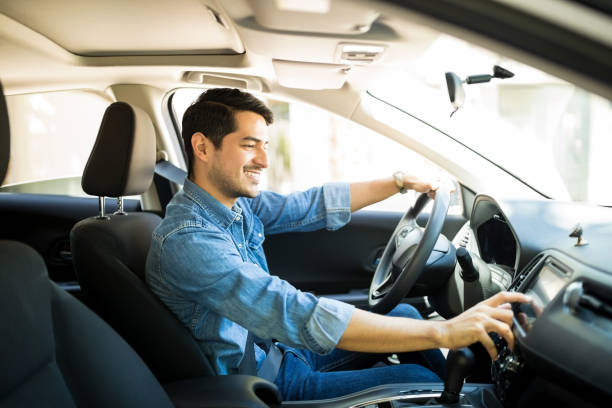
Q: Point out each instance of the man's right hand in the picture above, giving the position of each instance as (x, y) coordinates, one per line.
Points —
(475, 324)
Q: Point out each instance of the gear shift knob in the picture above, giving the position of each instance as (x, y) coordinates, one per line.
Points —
(458, 365)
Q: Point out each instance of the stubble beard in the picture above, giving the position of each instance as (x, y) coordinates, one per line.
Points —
(228, 186)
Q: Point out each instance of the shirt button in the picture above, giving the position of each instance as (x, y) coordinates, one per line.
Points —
(238, 217)
(259, 235)
(239, 245)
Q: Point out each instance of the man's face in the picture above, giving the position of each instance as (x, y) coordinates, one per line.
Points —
(236, 166)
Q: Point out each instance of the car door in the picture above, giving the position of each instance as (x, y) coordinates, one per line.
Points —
(52, 134)
(340, 263)
(44, 221)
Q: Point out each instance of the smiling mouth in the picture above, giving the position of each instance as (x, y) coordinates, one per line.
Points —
(253, 174)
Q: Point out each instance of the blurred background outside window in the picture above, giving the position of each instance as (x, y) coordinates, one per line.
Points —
(52, 135)
(309, 147)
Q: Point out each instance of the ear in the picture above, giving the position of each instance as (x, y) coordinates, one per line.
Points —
(201, 146)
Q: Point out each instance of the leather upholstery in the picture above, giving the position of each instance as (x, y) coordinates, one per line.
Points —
(123, 158)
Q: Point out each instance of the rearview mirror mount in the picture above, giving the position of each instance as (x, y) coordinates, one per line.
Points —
(455, 91)
(455, 84)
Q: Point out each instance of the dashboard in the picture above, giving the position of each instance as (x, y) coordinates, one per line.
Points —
(563, 350)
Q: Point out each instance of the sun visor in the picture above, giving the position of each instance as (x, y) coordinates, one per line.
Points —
(310, 75)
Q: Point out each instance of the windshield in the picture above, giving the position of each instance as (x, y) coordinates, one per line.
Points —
(555, 137)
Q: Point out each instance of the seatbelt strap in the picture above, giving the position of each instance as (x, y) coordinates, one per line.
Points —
(269, 368)
(248, 365)
(170, 172)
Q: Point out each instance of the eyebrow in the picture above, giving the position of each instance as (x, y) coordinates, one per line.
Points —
(253, 139)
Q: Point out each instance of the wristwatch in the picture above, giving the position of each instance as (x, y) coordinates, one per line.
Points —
(398, 176)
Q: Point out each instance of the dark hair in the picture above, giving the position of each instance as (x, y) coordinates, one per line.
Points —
(213, 115)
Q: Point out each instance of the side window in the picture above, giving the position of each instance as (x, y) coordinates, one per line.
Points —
(309, 146)
(52, 135)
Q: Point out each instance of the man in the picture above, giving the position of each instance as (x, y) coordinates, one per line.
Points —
(207, 265)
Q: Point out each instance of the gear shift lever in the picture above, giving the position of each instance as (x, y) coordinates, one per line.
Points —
(458, 365)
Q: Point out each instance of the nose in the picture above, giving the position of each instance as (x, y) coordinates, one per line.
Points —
(261, 158)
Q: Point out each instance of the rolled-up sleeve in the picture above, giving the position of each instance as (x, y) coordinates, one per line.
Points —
(326, 325)
(266, 305)
(327, 207)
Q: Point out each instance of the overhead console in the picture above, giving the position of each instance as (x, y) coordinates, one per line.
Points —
(321, 44)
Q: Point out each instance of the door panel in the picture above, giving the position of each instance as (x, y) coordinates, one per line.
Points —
(44, 223)
(338, 262)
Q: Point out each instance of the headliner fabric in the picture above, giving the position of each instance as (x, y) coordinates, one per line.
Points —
(55, 351)
(5, 137)
(123, 158)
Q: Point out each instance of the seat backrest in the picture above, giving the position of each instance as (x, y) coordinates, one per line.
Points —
(55, 351)
(109, 252)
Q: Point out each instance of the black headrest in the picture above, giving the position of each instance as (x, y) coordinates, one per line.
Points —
(5, 137)
(123, 158)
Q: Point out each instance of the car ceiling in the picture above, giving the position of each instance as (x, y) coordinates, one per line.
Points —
(139, 51)
(283, 46)
(94, 28)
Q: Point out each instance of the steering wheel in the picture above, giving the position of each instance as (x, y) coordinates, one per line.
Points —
(406, 253)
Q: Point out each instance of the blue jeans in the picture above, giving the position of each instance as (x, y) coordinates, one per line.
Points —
(304, 375)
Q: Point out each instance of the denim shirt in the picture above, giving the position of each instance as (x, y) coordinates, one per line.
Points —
(207, 264)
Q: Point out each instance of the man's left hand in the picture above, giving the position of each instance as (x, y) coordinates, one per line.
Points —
(420, 186)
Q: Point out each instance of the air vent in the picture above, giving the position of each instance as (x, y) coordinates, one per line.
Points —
(520, 278)
(579, 296)
(597, 299)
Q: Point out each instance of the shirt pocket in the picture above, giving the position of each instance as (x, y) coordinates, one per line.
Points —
(257, 237)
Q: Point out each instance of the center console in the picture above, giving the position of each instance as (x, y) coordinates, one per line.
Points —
(452, 393)
(562, 350)
(407, 395)
(542, 281)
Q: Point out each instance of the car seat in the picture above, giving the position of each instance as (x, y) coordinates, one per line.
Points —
(56, 352)
(109, 251)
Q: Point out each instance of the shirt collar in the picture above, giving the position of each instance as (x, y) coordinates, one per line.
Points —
(211, 206)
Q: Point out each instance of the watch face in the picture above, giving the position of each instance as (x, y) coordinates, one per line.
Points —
(399, 181)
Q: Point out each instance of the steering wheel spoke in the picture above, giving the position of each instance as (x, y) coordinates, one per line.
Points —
(406, 253)
(383, 288)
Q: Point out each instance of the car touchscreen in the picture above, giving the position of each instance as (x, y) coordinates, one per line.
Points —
(542, 289)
